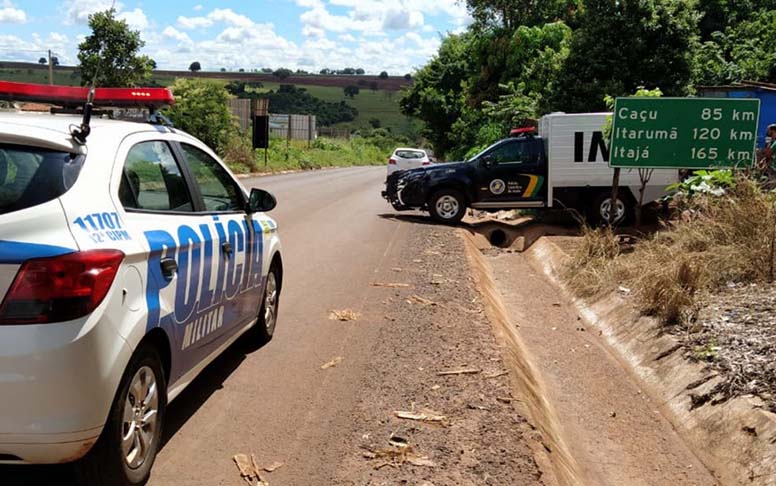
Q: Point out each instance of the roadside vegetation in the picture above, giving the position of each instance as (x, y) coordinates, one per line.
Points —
(321, 153)
(707, 276)
(520, 60)
(724, 235)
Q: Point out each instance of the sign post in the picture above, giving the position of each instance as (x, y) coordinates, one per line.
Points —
(261, 126)
(684, 133)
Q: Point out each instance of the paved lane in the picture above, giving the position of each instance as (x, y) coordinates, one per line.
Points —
(276, 402)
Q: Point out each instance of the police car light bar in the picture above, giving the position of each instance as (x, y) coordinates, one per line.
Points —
(76, 96)
(519, 131)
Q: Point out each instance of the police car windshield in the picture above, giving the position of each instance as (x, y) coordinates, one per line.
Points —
(30, 176)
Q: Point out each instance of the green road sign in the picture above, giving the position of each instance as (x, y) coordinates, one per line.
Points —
(684, 133)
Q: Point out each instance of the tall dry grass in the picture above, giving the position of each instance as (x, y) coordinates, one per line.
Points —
(719, 240)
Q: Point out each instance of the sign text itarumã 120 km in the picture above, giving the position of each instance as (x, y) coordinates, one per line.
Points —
(684, 133)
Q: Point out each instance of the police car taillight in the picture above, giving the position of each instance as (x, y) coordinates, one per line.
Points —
(60, 289)
(77, 96)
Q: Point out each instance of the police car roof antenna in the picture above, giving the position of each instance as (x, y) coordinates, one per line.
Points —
(80, 133)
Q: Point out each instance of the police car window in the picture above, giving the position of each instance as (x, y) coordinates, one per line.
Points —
(30, 175)
(219, 192)
(152, 180)
(511, 152)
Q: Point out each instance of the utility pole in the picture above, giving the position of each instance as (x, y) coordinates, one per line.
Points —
(51, 68)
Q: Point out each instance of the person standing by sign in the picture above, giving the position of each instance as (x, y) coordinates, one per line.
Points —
(770, 146)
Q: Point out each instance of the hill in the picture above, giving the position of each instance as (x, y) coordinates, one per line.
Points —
(381, 104)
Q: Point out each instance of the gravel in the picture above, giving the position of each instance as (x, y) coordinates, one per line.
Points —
(438, 325)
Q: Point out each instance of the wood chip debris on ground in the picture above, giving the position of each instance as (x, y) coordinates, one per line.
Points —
(274, 466)
(495, 375)
(399, 453)
(391, 285)
(344, 315)
(420, 300)
(334, 362)
(249, 471)
(460, 371)
(425, 415)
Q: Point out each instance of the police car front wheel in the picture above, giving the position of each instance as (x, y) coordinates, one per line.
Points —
(447, 206)
(127, 448)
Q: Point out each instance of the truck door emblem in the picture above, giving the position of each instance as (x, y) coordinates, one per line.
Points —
(497, 187)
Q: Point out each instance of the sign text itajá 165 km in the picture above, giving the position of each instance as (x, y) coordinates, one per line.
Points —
(684, 133)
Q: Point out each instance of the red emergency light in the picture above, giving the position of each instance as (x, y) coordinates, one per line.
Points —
(77, 96)
(520, 131)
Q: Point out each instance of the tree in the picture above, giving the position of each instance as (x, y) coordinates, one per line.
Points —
(351, 91)
(384, 75)
(201, 109)
(42, 60)
(109, 56)
(195, 67)
(653, 48)
(437, 96)
(283, 73)
(509, 14)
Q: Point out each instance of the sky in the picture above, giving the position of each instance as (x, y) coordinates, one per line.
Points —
(397, 36)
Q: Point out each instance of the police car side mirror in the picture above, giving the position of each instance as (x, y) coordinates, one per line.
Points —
(261, 201)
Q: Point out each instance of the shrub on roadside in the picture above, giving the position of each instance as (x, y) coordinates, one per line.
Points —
(727, 238)
(591, 269)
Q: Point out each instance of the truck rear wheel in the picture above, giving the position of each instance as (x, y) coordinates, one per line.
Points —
(447, 206)
(602, 205)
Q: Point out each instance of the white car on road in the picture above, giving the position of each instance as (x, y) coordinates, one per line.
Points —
(408, 158)
(130, 257)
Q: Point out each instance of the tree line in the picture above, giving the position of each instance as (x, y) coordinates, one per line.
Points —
(521, 59)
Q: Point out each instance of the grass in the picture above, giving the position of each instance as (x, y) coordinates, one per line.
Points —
(382, 105)
(298, 156)
(719, 240)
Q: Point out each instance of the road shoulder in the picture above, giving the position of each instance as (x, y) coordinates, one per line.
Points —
(437, 356)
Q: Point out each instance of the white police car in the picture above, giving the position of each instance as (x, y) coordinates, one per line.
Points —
(130, 257)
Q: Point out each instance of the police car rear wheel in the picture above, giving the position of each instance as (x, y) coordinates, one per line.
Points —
(447, 206)
(127, 448)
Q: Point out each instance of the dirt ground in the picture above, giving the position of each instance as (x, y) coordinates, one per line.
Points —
(614, 428)
(437, 325)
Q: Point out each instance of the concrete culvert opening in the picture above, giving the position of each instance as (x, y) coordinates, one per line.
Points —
(498, 238)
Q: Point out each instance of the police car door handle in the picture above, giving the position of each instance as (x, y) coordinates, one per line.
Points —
(227, 247)
(169, 268)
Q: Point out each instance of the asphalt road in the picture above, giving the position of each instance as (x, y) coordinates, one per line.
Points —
(275, 402)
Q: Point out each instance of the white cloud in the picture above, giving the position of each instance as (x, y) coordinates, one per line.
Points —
(399, 19)
(172, 33)
(11, 15)
(78, 11)
(136, 19)
(219, 15)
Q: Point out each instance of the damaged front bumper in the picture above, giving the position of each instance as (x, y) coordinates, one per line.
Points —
(403, 192)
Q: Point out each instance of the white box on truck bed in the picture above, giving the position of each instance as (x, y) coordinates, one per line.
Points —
(578, 157)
